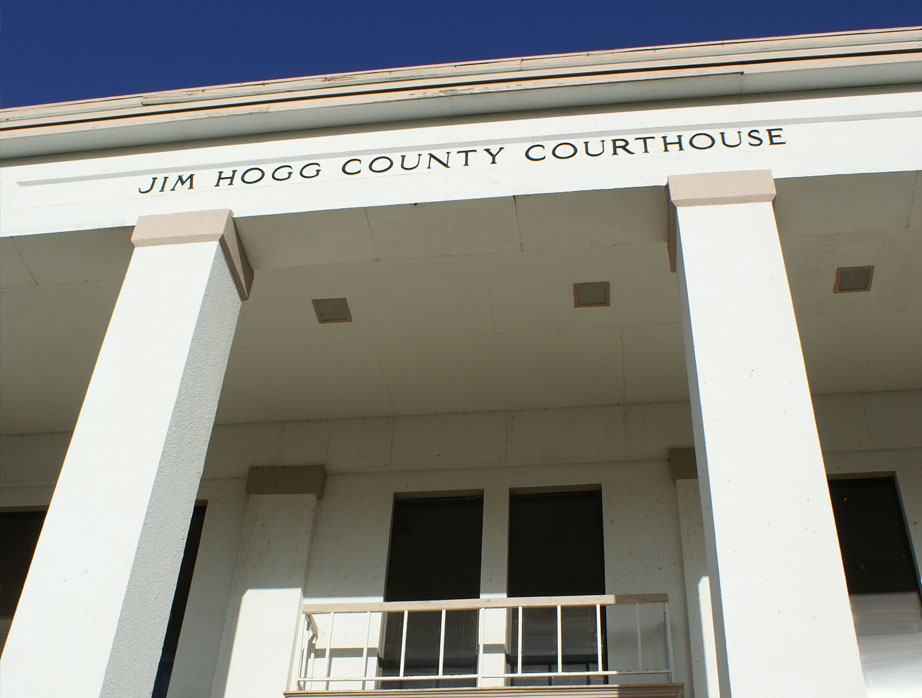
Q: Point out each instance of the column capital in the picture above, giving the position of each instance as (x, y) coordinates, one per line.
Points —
(682, 464)
(199, 226)
(715, 188)
(290, 479)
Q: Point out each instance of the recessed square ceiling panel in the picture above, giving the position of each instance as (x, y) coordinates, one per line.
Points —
(332, 310)
(852, 279)
(591, 294)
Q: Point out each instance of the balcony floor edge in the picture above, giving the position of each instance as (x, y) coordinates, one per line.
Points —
(648, 690)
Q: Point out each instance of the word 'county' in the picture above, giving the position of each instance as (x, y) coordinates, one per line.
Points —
(443, 160)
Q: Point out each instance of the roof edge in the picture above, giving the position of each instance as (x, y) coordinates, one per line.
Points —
(367, 89)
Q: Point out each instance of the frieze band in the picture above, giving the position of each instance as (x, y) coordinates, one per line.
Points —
(534, 153)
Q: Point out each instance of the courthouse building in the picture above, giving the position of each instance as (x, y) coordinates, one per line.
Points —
(517, 377)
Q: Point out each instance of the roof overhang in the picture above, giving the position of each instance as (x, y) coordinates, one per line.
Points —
(692, 71)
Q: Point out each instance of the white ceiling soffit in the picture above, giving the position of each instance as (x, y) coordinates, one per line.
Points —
(442, 324)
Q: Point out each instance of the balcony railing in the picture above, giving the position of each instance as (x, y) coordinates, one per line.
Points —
(484, 643)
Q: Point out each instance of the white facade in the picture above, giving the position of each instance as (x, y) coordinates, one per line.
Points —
(455, 207)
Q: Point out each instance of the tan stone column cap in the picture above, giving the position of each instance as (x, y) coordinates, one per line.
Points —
(287, 479)
(683, 464)
(715, 188)
(199, 226)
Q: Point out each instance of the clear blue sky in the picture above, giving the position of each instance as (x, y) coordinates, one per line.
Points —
(58, 50)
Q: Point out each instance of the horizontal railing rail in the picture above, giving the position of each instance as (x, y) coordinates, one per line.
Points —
(310, 607)
(363, 640)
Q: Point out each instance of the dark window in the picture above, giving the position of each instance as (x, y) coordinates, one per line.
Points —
(434, 554)
(178, 609)
(19, 533)
(876, 551)
(555, 549)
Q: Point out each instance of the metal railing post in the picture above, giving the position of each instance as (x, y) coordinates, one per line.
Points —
(442, 644)
(559, 640)
(365, 648)
(480, 619)
(403, 642)
(598, 636)
(330, 650)
(520, 633)
(668, 641)
(639, 640)
(301, 662)
(311, 651)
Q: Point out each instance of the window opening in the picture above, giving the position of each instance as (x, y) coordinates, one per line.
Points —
(178, 609)
(434, 554)
(876, 551)
(882, 579)
(19, 532)
(555, 549)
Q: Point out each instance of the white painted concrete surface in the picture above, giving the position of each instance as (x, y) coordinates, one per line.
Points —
(109, 553)
(776, 577)
(697, 592)
(783, 620)
(860, 433)
(820, 137)
(493, 579)
(263, 611)
(206, 607)
(642, 540)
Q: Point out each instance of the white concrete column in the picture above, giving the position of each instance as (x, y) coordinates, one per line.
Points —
(93, 612)
(200, 639)
(264, 611)
(694, 567)
(782, 619)
(494, 561)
